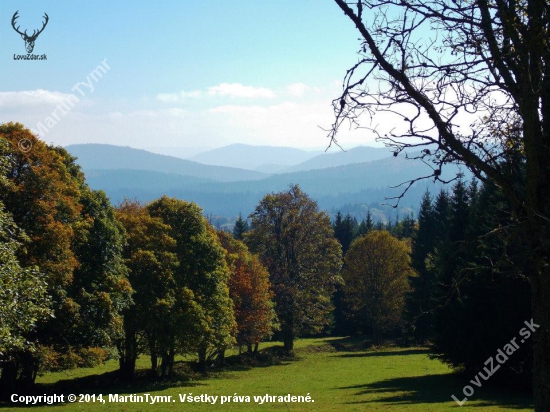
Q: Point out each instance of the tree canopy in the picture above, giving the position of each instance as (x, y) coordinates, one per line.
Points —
(151, 259)
(201, 282)
(75, 242)
(250, 290)
(377, 267)
(295, 241)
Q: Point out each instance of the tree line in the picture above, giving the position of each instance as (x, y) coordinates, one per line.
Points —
(83, 281)
(448, 279)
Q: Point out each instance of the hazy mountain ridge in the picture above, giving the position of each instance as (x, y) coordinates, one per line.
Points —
(102, 156)
(379, 174)
(254, 157)
(360, 154)
(351, 187)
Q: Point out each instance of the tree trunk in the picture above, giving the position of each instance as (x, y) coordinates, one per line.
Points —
(128, 369)
(128, 350)
(375, 335)
(256, 346)
(221, 358)
(164, 364)
(8, 379)
(288, 338)
(540, 287)
(154, 363)
(202, 358)
(171, 357)
(536, 233)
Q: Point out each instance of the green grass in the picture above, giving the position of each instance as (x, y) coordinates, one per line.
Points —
(337, 373)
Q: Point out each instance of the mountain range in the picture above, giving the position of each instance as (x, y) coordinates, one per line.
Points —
(261, 158)
(107, 157)
(343, 180)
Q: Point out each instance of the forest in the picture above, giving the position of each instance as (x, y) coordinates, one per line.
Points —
(84, 281)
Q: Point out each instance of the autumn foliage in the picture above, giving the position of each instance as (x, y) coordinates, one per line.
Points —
(250, 290)
(73, 239)
(377, 267)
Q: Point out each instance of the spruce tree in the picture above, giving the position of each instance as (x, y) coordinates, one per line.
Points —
(240, 228)
(344, 230)
(420, 301)
(366, 225)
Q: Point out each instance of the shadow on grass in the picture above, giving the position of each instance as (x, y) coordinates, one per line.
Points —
(272, 356)
(105, 384)
(363, 347)
(185, 376)
(351, 343)
(417, 351)
(110, 382)
(437, 389)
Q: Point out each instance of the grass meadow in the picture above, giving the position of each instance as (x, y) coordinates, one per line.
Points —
(339, 374)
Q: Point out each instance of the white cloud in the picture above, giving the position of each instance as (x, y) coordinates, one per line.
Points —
(178, 97)
(240, 90)
(237, 90)
(292, 122)
(32, 98)
(168, 97)
(285, 124)
(297, 89)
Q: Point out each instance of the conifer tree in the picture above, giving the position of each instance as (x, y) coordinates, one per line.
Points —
(366, 225)
(240, 228)
(344, 230)
(420, 301)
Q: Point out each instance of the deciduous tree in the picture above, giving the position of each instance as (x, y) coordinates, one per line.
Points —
(24, 299)
(250, 290)
(151, 258)
(296, 243)
(376, 272)
(75, 242)
(201, 281)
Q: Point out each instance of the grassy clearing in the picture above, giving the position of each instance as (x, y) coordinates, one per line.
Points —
(338, 374)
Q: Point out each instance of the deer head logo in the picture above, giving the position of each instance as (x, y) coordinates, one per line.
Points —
(29, 40)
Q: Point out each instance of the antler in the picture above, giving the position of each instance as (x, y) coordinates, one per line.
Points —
(15, 16)
(34, 34)
(44, 25)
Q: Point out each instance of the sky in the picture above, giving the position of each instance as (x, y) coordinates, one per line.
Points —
(184, 73)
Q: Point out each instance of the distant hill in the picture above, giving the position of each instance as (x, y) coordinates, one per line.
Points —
(254, 157)
(128, 182)
(335, 181)
(270, 168)
(107, 157)
(183, 152)
(351, 187)
(147, 186)
(361, 154)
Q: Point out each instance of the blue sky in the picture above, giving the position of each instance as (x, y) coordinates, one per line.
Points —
(181, 73)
